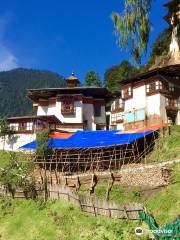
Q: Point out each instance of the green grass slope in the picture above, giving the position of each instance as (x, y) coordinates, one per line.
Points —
(167, 147)
(58, 220)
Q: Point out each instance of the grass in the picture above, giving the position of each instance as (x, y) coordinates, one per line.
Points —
(5, 157)
(167, 147)
(32, 220)
(120, 194)
(165, 206)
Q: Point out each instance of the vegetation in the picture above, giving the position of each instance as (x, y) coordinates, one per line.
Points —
(4, 129)
(14, 85)
(42, 143)
(124, 70)
(29, 219)
(92, 79)
(18, 173)
(160, 47)
(165, 205)
(58, 220)
(133, 26)
(167, 147)
(115, 74)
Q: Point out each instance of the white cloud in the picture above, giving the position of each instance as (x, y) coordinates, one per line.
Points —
(7, 59)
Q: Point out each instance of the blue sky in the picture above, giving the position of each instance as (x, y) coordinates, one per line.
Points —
(64, 35)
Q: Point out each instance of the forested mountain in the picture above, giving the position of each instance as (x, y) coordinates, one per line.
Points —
(14, 85)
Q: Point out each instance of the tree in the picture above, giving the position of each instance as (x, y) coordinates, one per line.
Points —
(18, 173)
(133, 26)
(4, 129)
(160, 46)
(92, 79)
(114, 74)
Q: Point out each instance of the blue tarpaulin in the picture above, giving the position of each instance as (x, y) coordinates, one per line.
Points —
(92, 139)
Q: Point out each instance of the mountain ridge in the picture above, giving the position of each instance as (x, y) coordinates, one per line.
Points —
(14, 85)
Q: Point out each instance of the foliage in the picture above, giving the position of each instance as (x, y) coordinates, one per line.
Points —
(160, 46)
(115, 74)
(42, 143)
(165, 205)
(167, 147)
(60, 220)
(4, 127)
(17, 174)
(14, 85)
(133, 26)
(92, 79)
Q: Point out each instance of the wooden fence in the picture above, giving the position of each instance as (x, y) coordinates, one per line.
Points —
(87, 204)
(96, 206)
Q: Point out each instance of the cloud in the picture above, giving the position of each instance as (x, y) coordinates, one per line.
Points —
(7, 59)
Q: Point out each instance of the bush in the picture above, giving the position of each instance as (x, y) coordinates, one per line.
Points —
(16, 174)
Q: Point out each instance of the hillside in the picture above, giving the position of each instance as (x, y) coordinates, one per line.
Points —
(14, 85)
(28, 219)
(57, 219)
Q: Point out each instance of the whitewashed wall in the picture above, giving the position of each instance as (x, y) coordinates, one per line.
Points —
(82, 112)
(138, 101)
(55, 109)
(153, 105)
(14, 141)
(163, 113)
(178, 114)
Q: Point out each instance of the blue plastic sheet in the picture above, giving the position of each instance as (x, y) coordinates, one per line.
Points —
(91, 139)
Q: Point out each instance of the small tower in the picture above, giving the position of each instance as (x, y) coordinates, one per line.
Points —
(72, 81)
(173, 19)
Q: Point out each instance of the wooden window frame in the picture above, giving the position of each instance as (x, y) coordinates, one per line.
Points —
(67, 107)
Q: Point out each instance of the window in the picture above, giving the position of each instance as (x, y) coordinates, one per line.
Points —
(126, 92)
(171, 87)
(22, 126)
(171, 102)
(97, 110)
(117, 117)
(158, 85)
(67, 107)
(151, 87)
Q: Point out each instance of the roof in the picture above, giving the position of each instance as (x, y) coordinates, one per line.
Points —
(92, 139)
(172, 70)
(49, 118)
(97, 92)
(171, 4)
(72, 77)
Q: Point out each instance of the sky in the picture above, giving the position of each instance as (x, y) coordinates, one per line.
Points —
(65, 35)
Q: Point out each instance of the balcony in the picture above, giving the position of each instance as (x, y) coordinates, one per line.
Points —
(117, 106)
(31, 124)
(171, 105)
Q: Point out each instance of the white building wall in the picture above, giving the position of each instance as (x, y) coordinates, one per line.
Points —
(138, 101)
(13, 142)
(163, 113)
(178, 114)
(55, 109)
(42, 110)
(153, 105)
